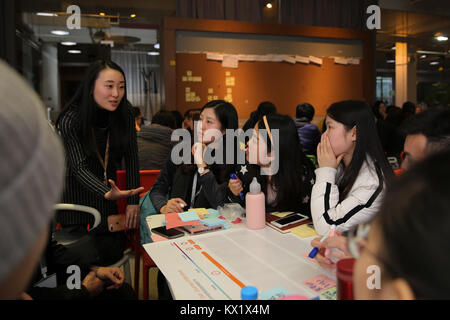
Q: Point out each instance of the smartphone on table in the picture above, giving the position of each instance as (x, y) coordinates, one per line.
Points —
(290, 219)
(167, 233)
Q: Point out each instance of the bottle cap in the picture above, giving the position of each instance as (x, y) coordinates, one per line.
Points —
(249, 293)
(255, 187)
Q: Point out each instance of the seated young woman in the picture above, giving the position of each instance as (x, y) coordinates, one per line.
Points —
(350, 180)
(285, 174)
(200, 184)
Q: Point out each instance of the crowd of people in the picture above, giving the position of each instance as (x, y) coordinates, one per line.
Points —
(339, 176)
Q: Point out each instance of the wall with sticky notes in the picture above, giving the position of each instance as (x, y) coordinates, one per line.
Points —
(196, 80)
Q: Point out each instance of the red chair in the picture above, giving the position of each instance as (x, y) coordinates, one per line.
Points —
(147, 179)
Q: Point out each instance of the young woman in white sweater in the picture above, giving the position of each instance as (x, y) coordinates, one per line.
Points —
(353, 169)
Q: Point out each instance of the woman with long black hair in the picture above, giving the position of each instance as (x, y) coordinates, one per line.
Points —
(353, 169)
(286, 185)
(98, 131)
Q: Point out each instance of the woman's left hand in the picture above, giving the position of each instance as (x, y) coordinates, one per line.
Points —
(325, 154)
(132, 216)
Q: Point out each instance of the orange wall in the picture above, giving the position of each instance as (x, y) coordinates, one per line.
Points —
(282, 83)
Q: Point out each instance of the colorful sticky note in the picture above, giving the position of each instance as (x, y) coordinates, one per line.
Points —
(210, 90)
(173, 221)
(330, 294)
(200, 211)
(274, 293)
(303, 231)
(210, 222)
(212, 213)
(188, 216)
(189, 73)
(319, 283)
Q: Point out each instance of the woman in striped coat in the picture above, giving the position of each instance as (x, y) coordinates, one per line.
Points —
(97, 128)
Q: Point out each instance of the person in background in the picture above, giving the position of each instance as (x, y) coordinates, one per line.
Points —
(189, 119)
(178, 119)
(387, 128)
(264, 108)
(138, 118)
(32, 176)
(426, 133)
(98, 131)
(408, 109)
(379, 110)
(154, 141)
(407, 239)
(289, 188)
(353, 170)
(308, 133)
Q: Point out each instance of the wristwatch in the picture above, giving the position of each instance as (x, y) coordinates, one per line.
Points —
(201, 170)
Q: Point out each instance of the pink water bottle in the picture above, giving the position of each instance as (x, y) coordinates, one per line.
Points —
(255, 205)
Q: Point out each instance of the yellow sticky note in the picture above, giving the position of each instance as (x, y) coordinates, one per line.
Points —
(184, 78)
(229, 90)
(215, 97)
(281, 214)
(189, 73)
(199, 79)
(188, 89)
(189, 78)
(210, 90)
(227, 73)
(172, 63)
(197, 99)
(210, 98)
(200, 211)
(303, 231)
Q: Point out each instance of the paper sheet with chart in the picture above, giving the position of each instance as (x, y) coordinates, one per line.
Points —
(217, 265)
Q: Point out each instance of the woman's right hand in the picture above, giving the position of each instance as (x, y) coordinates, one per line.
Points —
(174, 205)
(115, 193)
(235, 186)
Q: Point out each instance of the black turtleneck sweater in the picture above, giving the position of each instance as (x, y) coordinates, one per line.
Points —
(84, 173)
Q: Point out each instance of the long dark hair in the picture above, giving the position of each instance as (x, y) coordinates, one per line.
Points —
(358, 114)
(289, 180)
(413, 223)
(84, 104)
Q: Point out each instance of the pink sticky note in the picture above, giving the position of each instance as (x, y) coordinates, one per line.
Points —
(173, 221)
(319, 283)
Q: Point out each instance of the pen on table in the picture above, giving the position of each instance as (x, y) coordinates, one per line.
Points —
(314, 251)
(233, 176)
(332, 233)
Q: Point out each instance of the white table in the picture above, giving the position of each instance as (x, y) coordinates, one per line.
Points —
(216, 265)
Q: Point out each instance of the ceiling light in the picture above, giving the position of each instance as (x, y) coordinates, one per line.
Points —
(423, 56)
(153, 53)
(393, 48)
(156, 46)
(441, 38)
(74, 51)
(269, 5)
(132, 15)
(46, 14)
(60, 32)
(390, 61)
(102, 14)
(68, 43)
(433, 63)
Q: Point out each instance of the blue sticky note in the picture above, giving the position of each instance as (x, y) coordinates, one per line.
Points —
(213, 222)
(212, 213)
(274, 293)
(188, 216)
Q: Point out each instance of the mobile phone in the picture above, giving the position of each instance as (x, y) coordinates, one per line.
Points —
(291, 219)
(170, 233)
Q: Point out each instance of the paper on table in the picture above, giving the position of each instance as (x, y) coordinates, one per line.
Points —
(353, 61)
(315, 60)
(199, 211)
(319, 283)
(303, 231)
(214, 56)
(173, 221)
(213, 221)
(230, 61)
(289, 59)
(330, 294)
(188, 216)
(274, 293)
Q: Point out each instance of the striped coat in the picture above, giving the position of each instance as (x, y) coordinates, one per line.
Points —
(84, 173)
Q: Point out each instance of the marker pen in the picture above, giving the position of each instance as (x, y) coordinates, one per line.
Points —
(233, 176)
(314, 251)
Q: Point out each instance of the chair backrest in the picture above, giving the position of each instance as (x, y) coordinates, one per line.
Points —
(147, 177)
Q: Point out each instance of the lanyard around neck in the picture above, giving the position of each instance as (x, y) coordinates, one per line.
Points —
(104, 162)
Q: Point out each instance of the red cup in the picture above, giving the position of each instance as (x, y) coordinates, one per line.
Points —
(345, 279)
